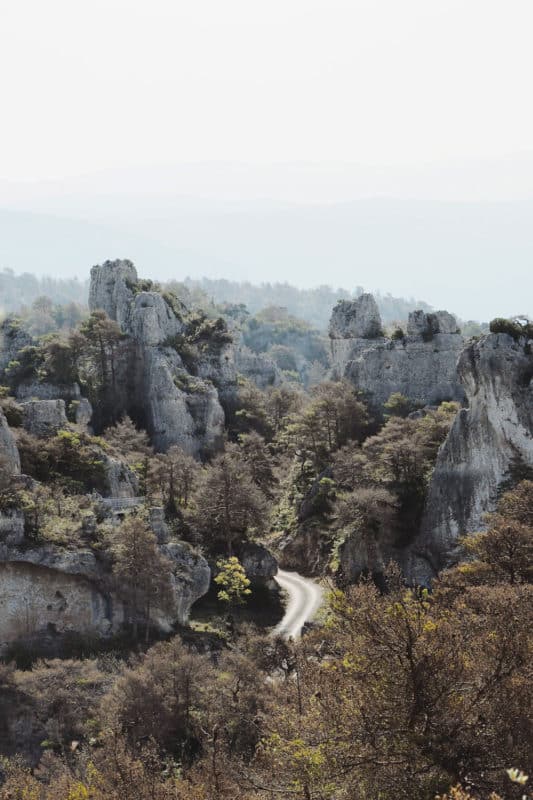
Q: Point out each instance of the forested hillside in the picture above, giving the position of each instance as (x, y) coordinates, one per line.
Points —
(160, 464)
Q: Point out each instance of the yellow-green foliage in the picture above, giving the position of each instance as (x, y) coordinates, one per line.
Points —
(234, 585)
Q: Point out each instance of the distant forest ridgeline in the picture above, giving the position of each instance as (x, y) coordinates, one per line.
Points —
(18, 291)
(313, 305)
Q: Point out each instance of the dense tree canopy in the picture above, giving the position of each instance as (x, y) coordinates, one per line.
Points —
(394, 693)
(228, 507)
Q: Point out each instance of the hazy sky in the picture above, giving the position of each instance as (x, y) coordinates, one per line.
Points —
(382, 143)
(89, 85)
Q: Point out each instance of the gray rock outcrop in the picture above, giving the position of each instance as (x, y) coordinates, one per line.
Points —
(258, 563)
(356, 319)
(360, 554)
(120, 481)
(44, 418)
(152, 320)
(420, 365)
(191, 577)
(36, 390)
(50, 590)
(111, 289)
(8, 448)
(179, 408)
(77, 408)
(425, 324)
(486, 442)
(37, 602)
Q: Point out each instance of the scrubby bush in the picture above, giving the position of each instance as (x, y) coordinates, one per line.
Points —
(515, 327)
(12, 411)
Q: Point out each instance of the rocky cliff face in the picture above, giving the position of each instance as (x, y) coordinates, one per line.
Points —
(111, 289)
(8, 448)
(179, 408)
(42, 602)
(488, 441)
(50, 591)
(420, 365)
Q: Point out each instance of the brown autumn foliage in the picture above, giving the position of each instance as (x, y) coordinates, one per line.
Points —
(395, 696)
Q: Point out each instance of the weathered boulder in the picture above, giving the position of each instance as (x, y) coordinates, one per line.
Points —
(165, 404)
(258, 563)
(44, 418)
(112, 289)
(487, 441)
(425, 372)
(181, 403)
(51, 590)
(306, 549)
(425, 324)
(356, 319)
(209, 418)
(8, 448)
(80, 562)
(191, 579)
(220, 367)
(77, 408)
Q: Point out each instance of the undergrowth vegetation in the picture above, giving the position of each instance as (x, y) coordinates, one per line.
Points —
(396, 693)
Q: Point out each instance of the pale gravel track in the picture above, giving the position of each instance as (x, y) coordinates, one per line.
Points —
(304, 599)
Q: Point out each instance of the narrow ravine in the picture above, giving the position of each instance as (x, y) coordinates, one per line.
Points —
(304, 599)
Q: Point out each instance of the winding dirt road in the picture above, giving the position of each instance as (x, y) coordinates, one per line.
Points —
(304, 600)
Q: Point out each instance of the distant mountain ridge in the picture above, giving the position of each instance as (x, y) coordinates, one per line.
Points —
(458, 235)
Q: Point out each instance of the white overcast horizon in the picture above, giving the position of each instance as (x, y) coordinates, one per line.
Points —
(370, 142)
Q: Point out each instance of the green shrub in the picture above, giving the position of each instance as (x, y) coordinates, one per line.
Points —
(513, 327)
(26, 366)
(398, 405)
(174, 303)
